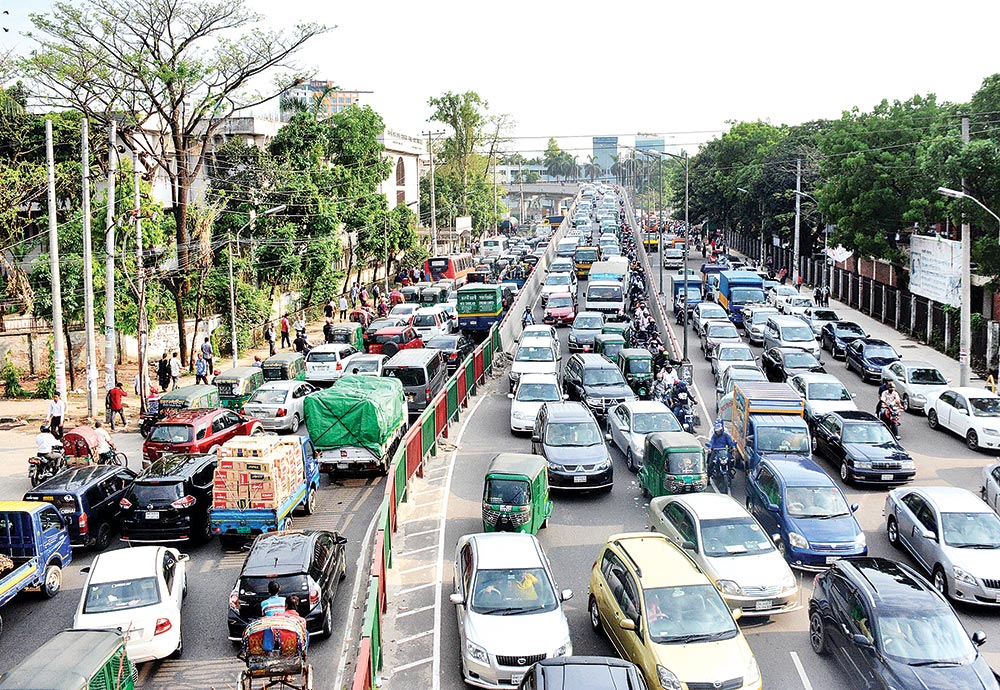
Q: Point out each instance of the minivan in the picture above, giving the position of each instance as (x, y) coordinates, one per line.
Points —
(325, 363)
(422, 372)
(790, 331)
(430, 322)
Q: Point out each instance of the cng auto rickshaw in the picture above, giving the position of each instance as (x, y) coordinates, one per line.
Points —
(411, 293)
(622, 328)
(516, 494)
(609, 345)
(637, 367)
(673, 462)
(75, 660)
(286, 366)
(237, 385)
(433, 296)
(348, 333)
(196, 397)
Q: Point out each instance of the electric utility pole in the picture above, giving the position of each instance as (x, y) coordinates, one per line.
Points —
(434, 231)
(58, 343)
(965, 293)
(140, 274)
(109, 263)
(798, 215)
(88, 272)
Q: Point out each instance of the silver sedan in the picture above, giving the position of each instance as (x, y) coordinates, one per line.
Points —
(278, 405)
(629, 423)
(916, 382)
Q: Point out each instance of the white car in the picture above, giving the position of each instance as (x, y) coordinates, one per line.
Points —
(817, 317)
(365, 364)
(431, 321)
(972, 413)
(916, 382)
(796, 305)
(731, 547)
(279, 404)
(533, 391)
(779, 293)
(404, 310)
(534, 356)
(823, 393)
(731, 353)
(990, 490)
(629, 423)
(556, 283)
(139, 591)
(704, 312)
(540, 330)
(508, 608)
(325, 363)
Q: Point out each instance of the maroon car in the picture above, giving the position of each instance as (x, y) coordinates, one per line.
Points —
(560, 310)
(392, 339)
(196, 431)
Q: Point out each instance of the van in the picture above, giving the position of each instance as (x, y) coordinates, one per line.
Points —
(605, 296)
(567, 247)
(423, 372)
(673, 257)
(325, 363)
(790, 331)
(430, 322)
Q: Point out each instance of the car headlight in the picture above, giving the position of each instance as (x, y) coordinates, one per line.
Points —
(991, 432)
(908, 465)
(917, 397)
(788, 581)
(797, 540)
(667, 679)
(565, 650)
(729, 587)
(556, 467)
(753, 672)
(522, 417)
(962, 576)
(863, 464)
(859, 541)
(515, 375)
(477, 653)
(572, 338)
(604, 464)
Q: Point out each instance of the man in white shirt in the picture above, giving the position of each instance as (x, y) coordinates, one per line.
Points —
(45, 442)
(105, 447)
(57, 413)
(175, 370)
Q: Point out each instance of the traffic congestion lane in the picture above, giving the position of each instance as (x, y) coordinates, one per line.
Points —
(209, 659)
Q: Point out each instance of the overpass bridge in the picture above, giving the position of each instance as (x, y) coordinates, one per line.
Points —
(540, 198)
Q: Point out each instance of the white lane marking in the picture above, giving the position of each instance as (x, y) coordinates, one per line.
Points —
(411, 638)
(404, 614)
(413, 664)
(407, 554)
(436, 669)
(415, 588)
(802, 672)
(420, 534)
(415, 569)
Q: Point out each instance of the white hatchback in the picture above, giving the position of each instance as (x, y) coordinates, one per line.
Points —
(533, 391)
(140, 592)
(430, 322)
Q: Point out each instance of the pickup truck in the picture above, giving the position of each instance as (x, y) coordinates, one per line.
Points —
(34, 548)
(357, 423)
(737, 288)
(242, 517)
(769, 422)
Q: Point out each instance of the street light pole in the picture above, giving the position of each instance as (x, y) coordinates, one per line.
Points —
(826, 229)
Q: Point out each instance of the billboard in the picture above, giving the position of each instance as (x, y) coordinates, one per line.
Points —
(936, 269)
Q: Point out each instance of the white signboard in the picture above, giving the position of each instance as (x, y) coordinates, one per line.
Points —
(936, 269)
(839, 253)
(463, 225)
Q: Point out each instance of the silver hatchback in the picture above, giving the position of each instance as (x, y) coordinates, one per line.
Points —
(278, 405)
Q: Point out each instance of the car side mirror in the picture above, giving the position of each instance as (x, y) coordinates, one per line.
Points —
(776, 537)
(979, 638)
(862, 642)
(737, 614)
(927, 534)
(854, 395)
(607, 437)
(773, 507)
(457, 599)
(535, 438)
(510, 396)
(182, 558)
(689, 546)
(626, 624)
(565, 396)
(854, 507)
(85, 569)
(963, 411)
(566, 595)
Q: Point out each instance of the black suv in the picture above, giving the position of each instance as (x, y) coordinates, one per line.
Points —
(309, 563)
(583, 673)
(568, 437)
(888, 627)
(88, 499)
(170, 500)
(595, 382)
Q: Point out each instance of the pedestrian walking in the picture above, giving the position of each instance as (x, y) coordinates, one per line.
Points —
(57, 414)
(269, 336)
(328, 309)
(376, 292)
(343, 307)
(115, 405)
(826, 295)
(175, 370)
(798, 282)
(364, 297)
(782, 276)
(201, 369)
(162, 372)
(286, 340)
(354, 295)
(208, 353)
(328, 331)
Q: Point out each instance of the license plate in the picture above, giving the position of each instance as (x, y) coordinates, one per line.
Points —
(240, 529)
(887, 477)
(764, 605)
(515, 678)
(579, 480)
(152, 515)
(409, 396)
(832, 559)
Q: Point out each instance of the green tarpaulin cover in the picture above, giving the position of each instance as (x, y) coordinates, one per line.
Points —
(359, 411)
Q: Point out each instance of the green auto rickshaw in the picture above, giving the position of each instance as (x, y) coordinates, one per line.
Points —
(636, 364)
(196, 397)
(609, 345)
(75, 660)
(411, 294)
(622, 328)
(516, 494)
(352, 334)
(285, 366)
(237, 385)
(433, 296)
(673, 463)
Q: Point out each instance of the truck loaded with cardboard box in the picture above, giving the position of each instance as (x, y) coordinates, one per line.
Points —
(357, 423)
(259, 481)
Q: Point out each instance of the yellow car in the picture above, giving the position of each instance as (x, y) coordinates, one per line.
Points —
(662, 613)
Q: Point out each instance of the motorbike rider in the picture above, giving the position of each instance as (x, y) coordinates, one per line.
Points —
(889, 400)
(721, 442)
(681, 397)
(46, 444)
(527, 319)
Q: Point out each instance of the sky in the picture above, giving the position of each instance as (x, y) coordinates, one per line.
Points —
(574, 70)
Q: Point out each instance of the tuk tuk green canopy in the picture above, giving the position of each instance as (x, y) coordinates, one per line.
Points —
(73, 660)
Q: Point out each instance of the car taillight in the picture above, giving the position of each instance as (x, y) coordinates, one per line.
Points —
(281, 412)
(453, 355)
(83, 523)
(125, 503)
(185, 502)
(427, 394)
(313, 595)
(234, 600)
(243, 411)
(339, 366)
(162, 626)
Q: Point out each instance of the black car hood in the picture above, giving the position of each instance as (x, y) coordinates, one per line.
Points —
(869, 452)
(879, 361)
(615, 391)
(974, 676)
(576, 455)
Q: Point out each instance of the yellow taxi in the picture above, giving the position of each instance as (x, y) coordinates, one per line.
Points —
(661, 611)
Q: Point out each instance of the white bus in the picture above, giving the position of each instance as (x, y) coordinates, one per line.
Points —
(494, 246)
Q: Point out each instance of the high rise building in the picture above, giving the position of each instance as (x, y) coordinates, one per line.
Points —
(656, 144)
(605, 149)
(323, 94)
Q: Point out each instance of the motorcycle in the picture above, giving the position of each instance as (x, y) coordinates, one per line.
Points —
(722, 469)
(42, 468)
(683, 413)
(890, 416)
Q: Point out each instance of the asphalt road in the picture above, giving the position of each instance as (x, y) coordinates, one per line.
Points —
(581, 524)
(209, 659)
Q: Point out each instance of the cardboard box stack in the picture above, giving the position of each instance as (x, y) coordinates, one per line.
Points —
(257, 472)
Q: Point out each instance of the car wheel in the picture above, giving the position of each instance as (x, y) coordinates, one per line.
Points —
(595, 616)
(972, 439)
(52, 582)
(296, 423)
(817, 633)
(180, 647)
(206, 532)
(939, 581)
(310, 506)
(892, 531)
(630, 461)
(257, 431)
(327, 621)
(932, 419)
(845, 473)
(906, 402)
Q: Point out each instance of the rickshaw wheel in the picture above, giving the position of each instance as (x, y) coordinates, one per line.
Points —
(246, 682)
(307, 677)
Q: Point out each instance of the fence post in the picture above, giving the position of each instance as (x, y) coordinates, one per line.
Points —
(895, 323)
(930, 321)
(947, 330)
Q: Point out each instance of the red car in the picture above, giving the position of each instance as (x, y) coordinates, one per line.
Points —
(560, 310)
(392, 339)
(196, 431)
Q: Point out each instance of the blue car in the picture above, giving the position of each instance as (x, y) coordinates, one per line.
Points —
(837, 335)
(867, 356)
(805, 511)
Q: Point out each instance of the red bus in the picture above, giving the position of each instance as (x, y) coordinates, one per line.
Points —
(456, 267)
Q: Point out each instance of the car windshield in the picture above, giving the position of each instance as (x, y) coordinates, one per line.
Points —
(828, 391)
(589, 322)
(586, 255)
(971, 530)
(919, 636)
(143, 494)
(868, 434)
(318, 357)
(513, 591)
(846, 330)
(442, 342)
(745, 295)
(785, 291)
(558, 279)
(170, 433)
(640, 366)
(883, 351)
(722, 330)
(424, 320)
(816, 502)
(713, 313)
(330, 357)
(692, 613)
(800, 302)
(824, 315)
(538, 392)
(382, 323)
(648, 422)
(685, 463)
(797, 334)
(366, 365)
(535, 354)
(800, 360)
(106, 597)
(781, 440)
(759, 317)
(573, 434)
(273, 396)
(512, 492)
(604, 293)
(566, 301)
(985, 407)
(930, 377)
(737, 536)
(735, 354)
(603, 376)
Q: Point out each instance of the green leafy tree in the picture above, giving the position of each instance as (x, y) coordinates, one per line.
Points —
(465, 114)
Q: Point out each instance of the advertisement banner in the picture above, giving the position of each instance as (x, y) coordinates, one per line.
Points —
(936, 269)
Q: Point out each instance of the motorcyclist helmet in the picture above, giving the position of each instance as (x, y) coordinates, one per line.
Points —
(681, 385)
(45, 429)
(889, 385)
(718, 427)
